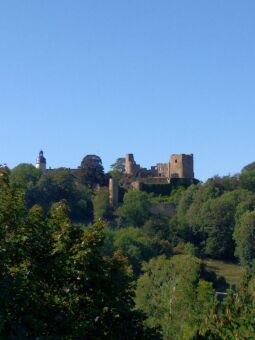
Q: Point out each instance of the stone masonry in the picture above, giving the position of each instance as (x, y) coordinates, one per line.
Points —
(181, 166)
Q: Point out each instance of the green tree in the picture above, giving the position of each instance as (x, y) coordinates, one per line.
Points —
(167, 292)
(119, 165)
(218, 223)
(244, 236)
(207, 217)
(55, 283)
(189, 210)
(135, 245)
(247, 177)
(61, 184)
(118, 168)
(24, 175)
(249, 168)
(101, 204)
(205, 303)
(136, 208)
(232, 319)
(92, 171)
(157, 226)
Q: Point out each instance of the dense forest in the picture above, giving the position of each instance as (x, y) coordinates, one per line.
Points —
(74, 267)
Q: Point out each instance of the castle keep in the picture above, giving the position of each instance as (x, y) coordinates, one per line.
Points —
(181, 166)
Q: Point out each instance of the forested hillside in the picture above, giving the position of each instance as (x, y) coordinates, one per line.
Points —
(74, 267)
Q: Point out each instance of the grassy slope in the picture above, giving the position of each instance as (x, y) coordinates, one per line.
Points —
(230, 271)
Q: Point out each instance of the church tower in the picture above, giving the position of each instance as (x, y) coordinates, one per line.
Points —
(41, 162)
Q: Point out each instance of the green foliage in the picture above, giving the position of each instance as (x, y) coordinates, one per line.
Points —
(247, 177)
(157, 226)
(157, 189)
(205, 298)
(11, 203)
(101, 204)
(118, 168)
(65, 281)
(244, 236)
(249, 168)
(189, 211)
(108, 245)
(55, 283)
(207, 217)
(176, 195)
(136, 208)
(189, 249)
(205, 302)
(167, 293)
(24, 175)
(218, 223)
(92, 171)
(233, 319)
(226, 183)
(218, 219)
(190, 203)
(247, 180)
(61, 184)
(169, 188)
(135, 245)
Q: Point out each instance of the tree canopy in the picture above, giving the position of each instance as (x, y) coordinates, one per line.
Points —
(49, 286)
(73, 266)
(92, 171)
(136, 208)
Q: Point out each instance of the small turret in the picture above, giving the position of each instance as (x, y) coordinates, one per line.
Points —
(41, 162)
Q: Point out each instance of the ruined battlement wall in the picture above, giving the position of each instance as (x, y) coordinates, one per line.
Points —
(163, 169)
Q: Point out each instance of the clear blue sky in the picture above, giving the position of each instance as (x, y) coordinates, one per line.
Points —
(110, 77)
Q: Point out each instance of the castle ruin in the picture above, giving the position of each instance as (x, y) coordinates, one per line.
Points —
(179, 166)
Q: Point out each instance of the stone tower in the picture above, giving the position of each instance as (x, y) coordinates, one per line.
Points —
(114, 192)
(130, 165)
(41, 162)
(181, 166)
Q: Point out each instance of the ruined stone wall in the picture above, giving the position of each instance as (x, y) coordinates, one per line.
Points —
(163, 169)
(181, 166)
